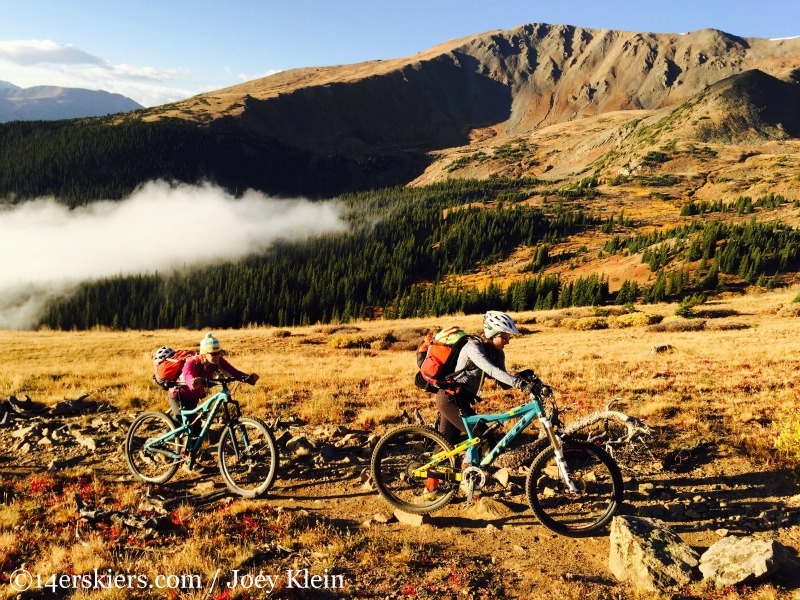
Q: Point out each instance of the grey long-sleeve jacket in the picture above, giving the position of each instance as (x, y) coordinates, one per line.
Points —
(473, 359)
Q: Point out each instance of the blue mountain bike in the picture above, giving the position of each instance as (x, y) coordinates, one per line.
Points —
(573, 487)
(246, 455)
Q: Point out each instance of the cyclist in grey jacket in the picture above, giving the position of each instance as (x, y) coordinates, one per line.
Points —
(478, 359)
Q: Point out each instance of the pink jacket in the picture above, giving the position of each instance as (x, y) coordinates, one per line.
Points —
(195, 367)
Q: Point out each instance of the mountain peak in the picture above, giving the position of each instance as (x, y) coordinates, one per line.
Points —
(7, 87)
(47, 102)
(748, 105)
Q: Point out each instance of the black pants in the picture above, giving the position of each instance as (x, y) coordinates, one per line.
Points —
(450, 424)
(177, 403)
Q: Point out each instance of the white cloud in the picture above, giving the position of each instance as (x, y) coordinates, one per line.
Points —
(34, 52)
(48, 248)
(28, 63)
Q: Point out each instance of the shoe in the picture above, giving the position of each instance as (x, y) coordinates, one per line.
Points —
(431, 495)
(432, 491)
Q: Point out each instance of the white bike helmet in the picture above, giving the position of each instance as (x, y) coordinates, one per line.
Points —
(495, 322)
(162, 354)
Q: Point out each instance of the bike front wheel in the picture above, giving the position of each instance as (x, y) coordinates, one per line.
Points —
(152, 461)
(395, 458)
(599, 495)
(247, 457)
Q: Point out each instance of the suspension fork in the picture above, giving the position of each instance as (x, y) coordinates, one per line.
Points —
(555, 441)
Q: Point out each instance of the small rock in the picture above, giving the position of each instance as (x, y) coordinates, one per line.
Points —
(205, 486)
(648, 489)
(300, 446)
(652, 511)
(24, 431)
(87, 442)
(411, 519)
(735, 560)
(502, 476)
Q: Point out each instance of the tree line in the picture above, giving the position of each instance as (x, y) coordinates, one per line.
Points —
(78, 161)
(398, 239)
(758, 253)
(403, 244)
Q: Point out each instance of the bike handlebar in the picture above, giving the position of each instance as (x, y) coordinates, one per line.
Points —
(222, 379)
(534, 386)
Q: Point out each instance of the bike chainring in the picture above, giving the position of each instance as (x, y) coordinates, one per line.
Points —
(475, 476)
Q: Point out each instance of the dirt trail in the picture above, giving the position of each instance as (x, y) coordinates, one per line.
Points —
(523, 557)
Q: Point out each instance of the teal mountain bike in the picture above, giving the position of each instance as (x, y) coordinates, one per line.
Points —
(246, 454)
(573, 487)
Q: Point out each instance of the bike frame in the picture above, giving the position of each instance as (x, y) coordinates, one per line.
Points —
(525, 412)
(210, 407)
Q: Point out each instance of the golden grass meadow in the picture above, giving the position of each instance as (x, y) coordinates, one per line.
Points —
(728, 376)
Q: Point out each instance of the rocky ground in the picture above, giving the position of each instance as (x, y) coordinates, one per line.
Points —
(702, 493)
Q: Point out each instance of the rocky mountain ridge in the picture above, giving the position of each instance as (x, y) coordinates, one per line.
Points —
(525, 79)
(449, 110)
(554, 102)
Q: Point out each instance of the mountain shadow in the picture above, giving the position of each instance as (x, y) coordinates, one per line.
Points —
(750, 106)
(413, 109)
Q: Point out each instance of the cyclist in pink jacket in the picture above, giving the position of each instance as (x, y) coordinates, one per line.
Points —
(200, 368)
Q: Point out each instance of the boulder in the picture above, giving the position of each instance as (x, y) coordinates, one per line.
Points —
(649, 555)
(733, 560)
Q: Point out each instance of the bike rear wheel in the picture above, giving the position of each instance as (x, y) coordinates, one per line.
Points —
(153, 463)
(600, 489)
(397, 455)
(247, 457)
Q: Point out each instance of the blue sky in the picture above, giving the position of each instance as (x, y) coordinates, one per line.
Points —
(157, 52)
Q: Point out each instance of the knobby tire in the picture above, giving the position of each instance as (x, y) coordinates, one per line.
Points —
(599, 482)
(395, 458)
(248, 468)
(151, 466)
